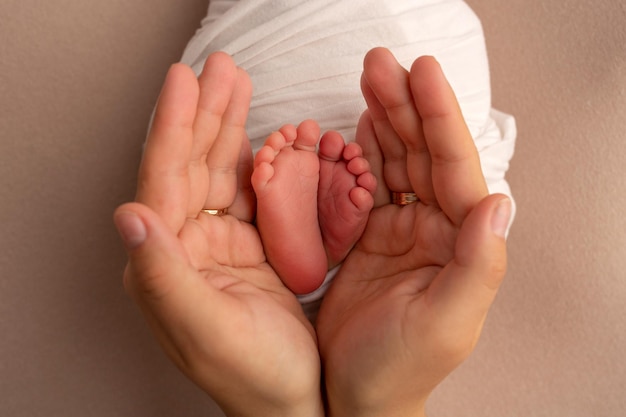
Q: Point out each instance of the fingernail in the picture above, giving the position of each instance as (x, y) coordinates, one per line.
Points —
(501, 217)
(131, 229)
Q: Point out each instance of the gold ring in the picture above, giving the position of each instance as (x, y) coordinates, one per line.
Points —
(403, 199)
(216, 212)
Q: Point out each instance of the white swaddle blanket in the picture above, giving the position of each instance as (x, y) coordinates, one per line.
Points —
(305, 61)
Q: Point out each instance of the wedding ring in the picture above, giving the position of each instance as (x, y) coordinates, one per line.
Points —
(403, 199)
(216, 212)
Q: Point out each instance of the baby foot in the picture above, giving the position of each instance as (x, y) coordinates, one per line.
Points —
(345, 195)
(285, 180)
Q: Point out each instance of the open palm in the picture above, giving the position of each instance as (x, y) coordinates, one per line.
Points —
(202, 280)
(408, 304)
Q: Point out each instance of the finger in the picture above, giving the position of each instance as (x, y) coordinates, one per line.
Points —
(155, 253)
(217, 82)
(456, 173)
(244, 205)
(397, 121)
(366, 138)
(224, 156)
(463, 292)
(164, 176)
(374, 86)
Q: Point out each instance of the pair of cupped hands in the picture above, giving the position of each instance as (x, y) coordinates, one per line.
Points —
(407, 305)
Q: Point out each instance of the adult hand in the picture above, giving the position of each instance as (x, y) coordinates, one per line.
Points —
(410, 301)
(202, 280)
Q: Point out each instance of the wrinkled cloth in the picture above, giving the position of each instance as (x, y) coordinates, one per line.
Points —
(305, 59)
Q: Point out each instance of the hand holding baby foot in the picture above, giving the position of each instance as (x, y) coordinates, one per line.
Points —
(408, 304)
(202, 281)
(310, 210)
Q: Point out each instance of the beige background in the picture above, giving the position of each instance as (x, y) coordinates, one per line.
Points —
(77, 84)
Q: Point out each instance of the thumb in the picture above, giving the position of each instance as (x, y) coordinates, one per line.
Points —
(481, 244)
(163, 283)
(464, 291)
(156, 258)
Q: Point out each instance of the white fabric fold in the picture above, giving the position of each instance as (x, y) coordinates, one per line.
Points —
(305, 61)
